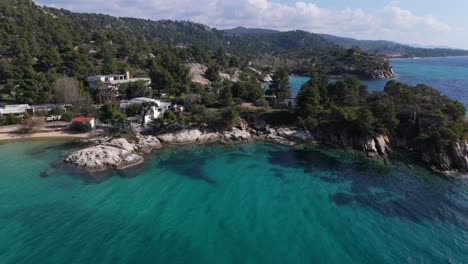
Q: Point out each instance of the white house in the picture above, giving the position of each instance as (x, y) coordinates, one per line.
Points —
(114, 81)
(154, 112)
(17, 109)
(85, 120)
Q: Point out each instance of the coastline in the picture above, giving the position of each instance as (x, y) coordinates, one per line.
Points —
(11, 133)
(419, 58)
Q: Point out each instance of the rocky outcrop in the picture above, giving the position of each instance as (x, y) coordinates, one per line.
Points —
(383, 74)
(148, 144)
(373, 146)
(184, 136)
(103, 157)
(286, 135)
(200, 136)
(209, 138)
(106, 153)
(449, 159)
(197, 73)
(112, 153)
(236, 135)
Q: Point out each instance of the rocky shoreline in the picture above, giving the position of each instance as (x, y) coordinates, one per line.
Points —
(108, 153)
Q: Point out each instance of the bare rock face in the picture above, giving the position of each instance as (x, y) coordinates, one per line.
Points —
(451, 158)
(120, 143)
(382, 143)
(197, 73)
(378, 146)
(209, 138)
(185, 136)
(117, 154)
(294, 134)
(148, 144)
(236, 135)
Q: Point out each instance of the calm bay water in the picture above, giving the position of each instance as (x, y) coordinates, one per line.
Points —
(448, 75)
(251, 203)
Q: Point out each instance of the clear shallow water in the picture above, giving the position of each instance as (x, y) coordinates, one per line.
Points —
(448, 75)
(252, 203)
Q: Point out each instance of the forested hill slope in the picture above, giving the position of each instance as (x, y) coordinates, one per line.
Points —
(181, 33)
(297, 50)
(381, 47)
(39, 44)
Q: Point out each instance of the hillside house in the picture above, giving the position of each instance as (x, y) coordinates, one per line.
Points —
(112, 82)
(156, 108)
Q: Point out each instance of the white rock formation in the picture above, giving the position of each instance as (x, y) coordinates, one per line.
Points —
(185, 136)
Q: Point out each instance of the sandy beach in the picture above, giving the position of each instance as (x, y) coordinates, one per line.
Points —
(12, 133)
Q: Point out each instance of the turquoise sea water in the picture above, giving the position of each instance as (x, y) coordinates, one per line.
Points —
(448, 75)
(251, 203)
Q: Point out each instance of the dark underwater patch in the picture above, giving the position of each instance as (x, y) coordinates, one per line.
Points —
(399, 194)
(310, 160)
(188, 164)
(277, 173)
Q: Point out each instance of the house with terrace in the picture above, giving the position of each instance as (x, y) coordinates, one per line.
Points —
(112, 82)
(145, 109)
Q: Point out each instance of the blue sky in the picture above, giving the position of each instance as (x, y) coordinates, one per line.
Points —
(429, 22)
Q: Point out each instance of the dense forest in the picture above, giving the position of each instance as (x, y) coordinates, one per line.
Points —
(40, 44)
(418, 116)
(298, 50)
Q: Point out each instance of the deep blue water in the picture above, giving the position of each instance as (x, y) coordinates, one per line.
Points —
(448, 75)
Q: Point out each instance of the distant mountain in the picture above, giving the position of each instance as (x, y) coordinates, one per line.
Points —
(393, 49)
(427, 46)
(246, 31)
(382, 47)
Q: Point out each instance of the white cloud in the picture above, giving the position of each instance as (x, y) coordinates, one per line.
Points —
(390, 23)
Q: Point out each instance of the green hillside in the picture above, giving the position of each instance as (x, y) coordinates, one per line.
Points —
(40, 44)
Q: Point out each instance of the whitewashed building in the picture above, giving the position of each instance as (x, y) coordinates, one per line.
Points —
(16, 109)
(114, 81)
(153, 112)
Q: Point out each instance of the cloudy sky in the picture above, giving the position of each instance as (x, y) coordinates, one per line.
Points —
(428, 22)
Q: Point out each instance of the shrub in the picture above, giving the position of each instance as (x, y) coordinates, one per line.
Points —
(130, 136)
(80, 126)
(34, 124)
(262, 102)
(230, 117)
(237, 101)
(67, 116)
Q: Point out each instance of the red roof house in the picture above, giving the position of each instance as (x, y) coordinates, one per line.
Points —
(83, 119)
